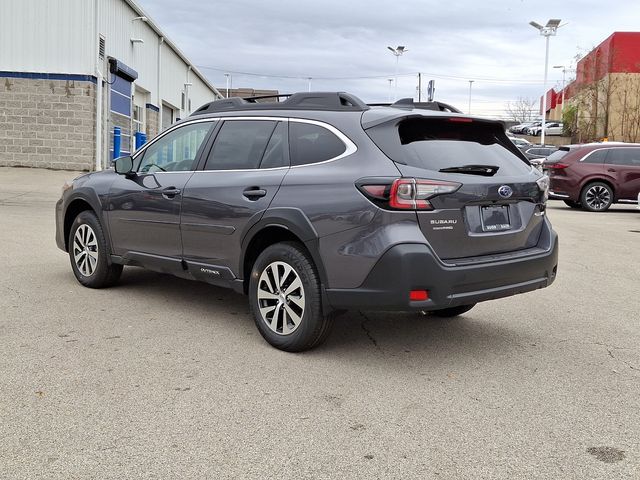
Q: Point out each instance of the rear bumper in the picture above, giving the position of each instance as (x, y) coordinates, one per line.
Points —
(413, 266)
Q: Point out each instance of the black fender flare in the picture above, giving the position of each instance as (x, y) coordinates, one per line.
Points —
(294, 220)
(89, 196)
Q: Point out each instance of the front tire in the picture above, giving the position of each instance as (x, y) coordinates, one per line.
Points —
(453, 311)
(596, 197)
(285, 300)
(88, 253)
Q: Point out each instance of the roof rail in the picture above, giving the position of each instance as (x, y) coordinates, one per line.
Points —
(334, 101)
(410, 104)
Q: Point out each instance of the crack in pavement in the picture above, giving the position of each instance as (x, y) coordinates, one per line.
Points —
(367, 331)
(621, 360)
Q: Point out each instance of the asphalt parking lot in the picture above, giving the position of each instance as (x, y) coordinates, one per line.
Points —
(165, 378)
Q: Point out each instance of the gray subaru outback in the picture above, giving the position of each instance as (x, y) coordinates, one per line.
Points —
(318, 204)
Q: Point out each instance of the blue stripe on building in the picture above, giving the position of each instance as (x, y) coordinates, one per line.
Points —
(49, 76)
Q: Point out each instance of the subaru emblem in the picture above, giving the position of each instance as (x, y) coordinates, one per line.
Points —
(505, 191)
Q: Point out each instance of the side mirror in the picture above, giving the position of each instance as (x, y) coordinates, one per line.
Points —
(124, 166)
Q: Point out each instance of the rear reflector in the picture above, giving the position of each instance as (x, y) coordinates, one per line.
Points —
(418, 295)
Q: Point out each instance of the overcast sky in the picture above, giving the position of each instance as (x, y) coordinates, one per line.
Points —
(337, 43)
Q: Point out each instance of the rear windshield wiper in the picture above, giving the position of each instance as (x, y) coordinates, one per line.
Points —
(484, 170)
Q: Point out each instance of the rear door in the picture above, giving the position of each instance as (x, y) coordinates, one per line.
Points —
(624, 165)
(231, 190)
(498, 207)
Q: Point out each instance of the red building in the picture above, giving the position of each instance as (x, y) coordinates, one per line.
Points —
(606, 91)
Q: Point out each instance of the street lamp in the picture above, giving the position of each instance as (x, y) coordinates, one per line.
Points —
(398, 51)
(390, 80)
(564, 71)
(470, 83)
(547, 31)
(227, 77)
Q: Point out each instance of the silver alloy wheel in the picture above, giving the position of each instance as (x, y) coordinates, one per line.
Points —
(598, 197)
(85, 250)
(281, 298)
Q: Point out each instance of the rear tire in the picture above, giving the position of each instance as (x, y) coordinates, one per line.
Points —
(572, 204)
(88, 253)
(453, 311)
(596, 197)
(285, 299)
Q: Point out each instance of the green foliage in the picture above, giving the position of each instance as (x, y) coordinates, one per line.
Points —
(570, 120)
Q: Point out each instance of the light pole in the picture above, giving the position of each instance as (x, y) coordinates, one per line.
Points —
(390, 80)
(309, 84)
(398, 51)
(547, 31)
(564, 71)
(470, 83)
(227, 76)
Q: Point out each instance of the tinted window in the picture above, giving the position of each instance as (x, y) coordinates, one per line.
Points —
(275, 153)
(176, 151)
(313, 143)
(557, 155)
(240, 144)
(597, 156)
(624, 156)
(434, 143)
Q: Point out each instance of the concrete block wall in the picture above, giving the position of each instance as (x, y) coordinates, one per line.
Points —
(153, 123)
(47, 123)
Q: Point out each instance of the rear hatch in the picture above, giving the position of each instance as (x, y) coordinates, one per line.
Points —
(499, 205)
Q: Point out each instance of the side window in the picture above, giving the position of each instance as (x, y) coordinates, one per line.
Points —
(596, 156)
(311, 143)
(275, 153)
(176, 151)
(624, 156)
(240, 144)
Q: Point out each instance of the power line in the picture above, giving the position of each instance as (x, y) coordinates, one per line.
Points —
(519, 81)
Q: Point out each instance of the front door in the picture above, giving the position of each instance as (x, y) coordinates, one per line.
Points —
(144, 211)
(241, 175)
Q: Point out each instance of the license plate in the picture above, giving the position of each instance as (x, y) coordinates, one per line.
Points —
(495, 218)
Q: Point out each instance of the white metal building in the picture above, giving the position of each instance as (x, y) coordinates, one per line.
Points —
(72, 70)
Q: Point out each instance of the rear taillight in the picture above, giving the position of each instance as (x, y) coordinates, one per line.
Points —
(407, 193)
(543, 184)
(555, 166)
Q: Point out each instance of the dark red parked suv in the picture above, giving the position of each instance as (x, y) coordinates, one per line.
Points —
(595, 175)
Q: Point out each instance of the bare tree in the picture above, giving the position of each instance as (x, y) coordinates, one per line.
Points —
(522, 110)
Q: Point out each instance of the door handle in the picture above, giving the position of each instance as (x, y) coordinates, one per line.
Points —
(170, 192)
(611, 169)
(254, 193)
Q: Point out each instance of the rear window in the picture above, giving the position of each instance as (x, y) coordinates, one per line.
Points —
(436, 143)
(557, 155)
